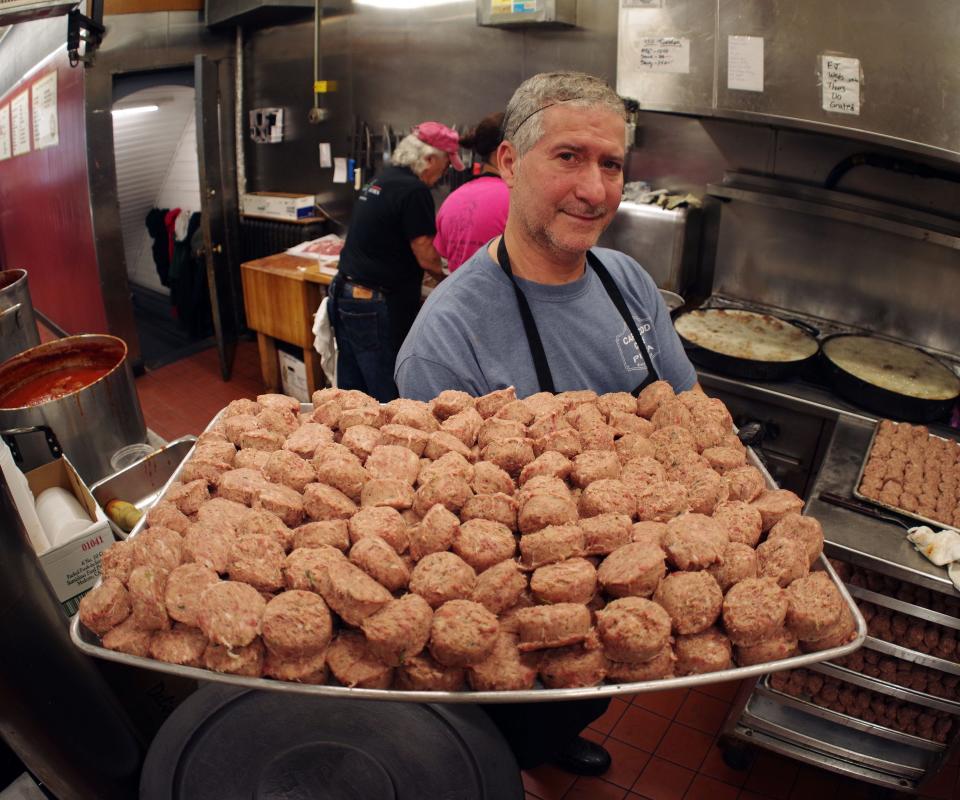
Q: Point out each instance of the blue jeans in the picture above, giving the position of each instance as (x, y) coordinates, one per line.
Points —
(366, 352)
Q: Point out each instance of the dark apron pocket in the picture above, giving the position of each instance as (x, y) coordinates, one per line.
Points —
(360, 328)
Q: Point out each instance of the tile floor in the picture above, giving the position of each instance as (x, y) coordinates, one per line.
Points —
(664, 744)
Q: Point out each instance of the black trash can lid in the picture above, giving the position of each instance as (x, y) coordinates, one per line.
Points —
(225, 742)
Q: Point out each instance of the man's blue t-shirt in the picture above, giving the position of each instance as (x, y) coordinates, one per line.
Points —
(469, 335)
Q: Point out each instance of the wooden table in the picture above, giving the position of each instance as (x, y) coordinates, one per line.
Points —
(281, 294)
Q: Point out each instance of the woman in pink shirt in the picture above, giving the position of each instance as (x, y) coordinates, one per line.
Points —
(476, 212)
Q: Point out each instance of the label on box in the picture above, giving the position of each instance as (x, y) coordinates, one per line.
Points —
(74, 568)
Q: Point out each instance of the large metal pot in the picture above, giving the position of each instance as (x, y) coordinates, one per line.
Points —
(91, 423)
(18, 327)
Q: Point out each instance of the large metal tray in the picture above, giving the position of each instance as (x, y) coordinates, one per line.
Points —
(896, 509)
(887, 688)
(89, 643)
(910, 609)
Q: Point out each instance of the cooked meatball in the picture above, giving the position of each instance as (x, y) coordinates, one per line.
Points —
(692, 599)
(815, 606)
(661, 501)
(775, 504)
(209, 545)
(351, 593)
(498, 507)
(381, 562)
(740, 520)
(324, 502)
(383, 522)
(422, 674)
(604, 533)
(257, 560)
(634, 569)
(148, 609)
(399, 630)
(157, 547)
(782, 644)
(441, 577)
(633, 630)
(331, 532)
(105, 606)
(753, 610)
(542, 627)
(462, 633)
(483, 543)
(354, 665)
(660, 666)
(698, 653)
(607, 495)
(387, 492)
(183, 590)
(246, 660)
(805, 529)
(551, 544)
(296, 623)
(541, 509)
(505, 669)
(436, 532)
(737, 562)
(572, 667)
(571, 581)
(744, 483)
(694, 541)
(181, 645)
(231, 613)
(500, 587)
(784, 560)
(286, 467)
(306, 567)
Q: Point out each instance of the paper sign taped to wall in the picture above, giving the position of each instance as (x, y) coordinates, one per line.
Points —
(339, 170)
(841, 84)
(5, 150)
(668, 54)
(326, 159)
(43, 99)
(20, 123)
(745, 63)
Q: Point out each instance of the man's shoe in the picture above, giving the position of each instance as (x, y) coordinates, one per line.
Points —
(583, 757)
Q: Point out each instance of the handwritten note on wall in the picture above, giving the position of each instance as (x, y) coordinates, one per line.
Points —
(20, 122)
(663, 54)
(745, 63)
(43, 96)
(841, 84)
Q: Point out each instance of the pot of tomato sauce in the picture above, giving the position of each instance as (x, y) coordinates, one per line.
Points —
(80, 387)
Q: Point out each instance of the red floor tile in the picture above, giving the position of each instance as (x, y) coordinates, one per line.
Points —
(664, 703)
(722, 691)
(772, 775)
(640, 728)
(594, 789)
(547, 782)
(610, 717)
(942, 785)
(627, 763)
(661, 780)
(684, 746)
(812, 782)
(704, 788)
(714, 767)
(703, 712)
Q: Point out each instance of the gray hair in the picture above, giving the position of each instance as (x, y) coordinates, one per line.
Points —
(522, 122)
(413, 153)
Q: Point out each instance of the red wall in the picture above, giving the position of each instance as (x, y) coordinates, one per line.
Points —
(45, 219)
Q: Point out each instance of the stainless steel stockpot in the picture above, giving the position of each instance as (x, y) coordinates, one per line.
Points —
(18, 327)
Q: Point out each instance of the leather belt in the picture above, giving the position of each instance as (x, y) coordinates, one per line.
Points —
(359, 291)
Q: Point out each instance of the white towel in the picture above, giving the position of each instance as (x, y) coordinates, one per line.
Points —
(940, 547)
(324, 342)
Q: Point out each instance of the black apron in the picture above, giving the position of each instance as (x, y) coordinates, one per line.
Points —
(544, 376)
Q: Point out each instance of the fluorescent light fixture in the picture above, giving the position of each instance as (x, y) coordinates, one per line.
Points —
(401, 5)
(130, 111)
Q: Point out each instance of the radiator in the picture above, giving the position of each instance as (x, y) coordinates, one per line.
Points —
(267, 237)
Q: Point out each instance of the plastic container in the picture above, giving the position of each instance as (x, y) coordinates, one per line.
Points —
(130, 454)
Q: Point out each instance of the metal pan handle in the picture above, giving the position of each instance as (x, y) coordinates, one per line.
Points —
(804, 326)
(10, 437)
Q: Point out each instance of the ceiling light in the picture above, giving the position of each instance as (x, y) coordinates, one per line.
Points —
(131, 110)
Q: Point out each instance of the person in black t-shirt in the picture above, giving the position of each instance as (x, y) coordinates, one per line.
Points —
(376, 294)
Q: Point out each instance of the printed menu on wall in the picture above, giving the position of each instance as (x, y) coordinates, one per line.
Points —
(20, 122)
(5, 133)
(43, 98)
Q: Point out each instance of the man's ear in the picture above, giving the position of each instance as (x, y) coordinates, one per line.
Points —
(508, 160)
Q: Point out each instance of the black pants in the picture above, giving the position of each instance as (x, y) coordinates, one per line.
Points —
(537, 732)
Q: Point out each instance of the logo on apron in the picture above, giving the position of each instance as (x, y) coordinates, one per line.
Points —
(629, 352)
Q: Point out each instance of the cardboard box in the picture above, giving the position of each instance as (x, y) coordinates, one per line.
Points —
(74, 567)
(278, 205)
(293, 377)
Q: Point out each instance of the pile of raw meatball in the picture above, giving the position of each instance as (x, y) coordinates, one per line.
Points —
(490, 543)
(909, 469)
(872, 707)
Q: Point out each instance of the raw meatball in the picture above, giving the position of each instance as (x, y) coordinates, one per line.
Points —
(361, 440)
(266, 523)
(422, 674)
(246, 660)
(331, 532)
(549, 463)
(393, 461)
(694, 541)
(489, 404)
(383, 522)
(641, 472)
(839, 634)
(231, 613)
(692, 599)
(157, 547)
(237, 425)
(257, 560)
(441, 443)
(542, 627)
(441, 577)
(242, 405)
(498, 507)
(351, 593)
(488, 478)
(565, 441)
(744, 483)
(128, 638)
(436, 532)
(740, 520)
(381, 562)
(324, 502)
(387, 492)
(804, 529)
(279, 402)
(594, 465)
(183, 589)
(784, 560)
(495, 430)
(117, 560)
(725, 459)
(182, 645)
(189, 496)
(167, 515)
(105, 606)
(653, 532)
(815, 606)
(632, 570)
(500, 587)
(343, 473)
(286, 467)
(661, 501)
(464, 425)
(660, 666)
(698, 653)
(542, 509)
(753, 610)
(282, 501)
(505, 669)
(353, 665)
(366, 416)
(209, 545)
(737, 562)
(633, 630)
(449, 465)
(775, 504)
(483, 543)
(572, 667)
(607, 495)
(306, 567)
(782, 644)
(652, 396)
(511, 455)
(634, 445)
(399, 630)
(604, 533)
(219, 511)
(705, 490)
(296, 624)
(148, 610)
(310, 669)
(447, 490)
(262, 439)
(462, 633)
(570, 581)
(414, 439)
(551, 544)
(450, 402)
(307, 438)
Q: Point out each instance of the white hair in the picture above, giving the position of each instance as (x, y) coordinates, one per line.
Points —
(413, 153)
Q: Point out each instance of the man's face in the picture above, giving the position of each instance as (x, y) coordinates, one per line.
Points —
(436, 166)
(566, 189)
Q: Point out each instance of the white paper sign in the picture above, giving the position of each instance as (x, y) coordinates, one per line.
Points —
(326, 159)
(5, 133)
(20, 122)
(43, 99)
(745, 63)
(663, 54)
(841, 84)
(339, 170)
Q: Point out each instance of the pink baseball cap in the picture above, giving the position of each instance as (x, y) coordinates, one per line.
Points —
(441, 137)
